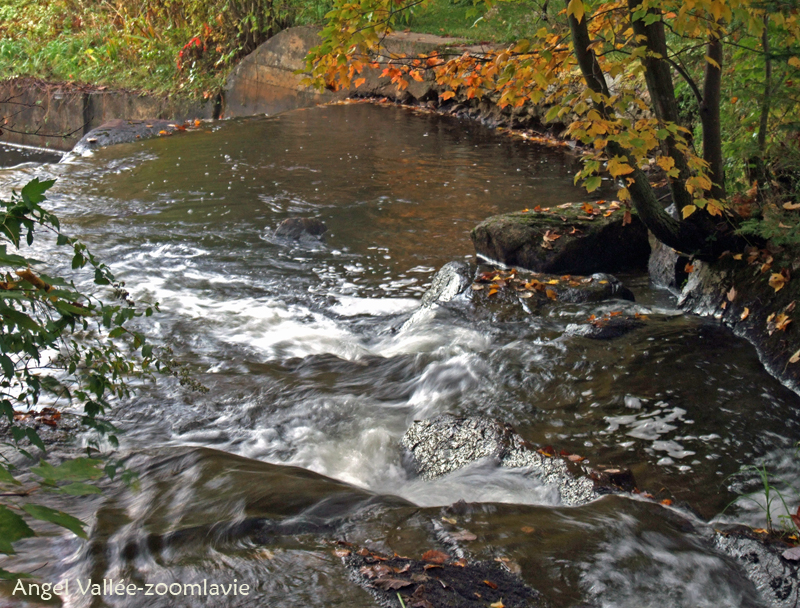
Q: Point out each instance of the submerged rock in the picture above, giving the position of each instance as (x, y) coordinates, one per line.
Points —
(446, 443)
(300, 228)
(605, 328)
(119, 131)
(572, 238)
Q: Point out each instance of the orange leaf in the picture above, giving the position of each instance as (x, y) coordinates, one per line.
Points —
(551, 294)
(528, 529)
(435, 557)
(359, 81)
(745, 313)
(490, 584)
(688, 269)
(447, 95)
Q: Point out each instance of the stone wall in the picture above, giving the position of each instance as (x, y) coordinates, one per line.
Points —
(57, 116)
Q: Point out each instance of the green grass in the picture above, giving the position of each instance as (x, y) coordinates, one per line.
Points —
(506, 22)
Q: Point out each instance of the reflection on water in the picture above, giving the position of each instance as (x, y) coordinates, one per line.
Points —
(311, 365)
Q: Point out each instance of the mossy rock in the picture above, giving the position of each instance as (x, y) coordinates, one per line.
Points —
(569, 239)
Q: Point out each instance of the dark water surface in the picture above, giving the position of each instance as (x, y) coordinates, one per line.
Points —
(312, 373)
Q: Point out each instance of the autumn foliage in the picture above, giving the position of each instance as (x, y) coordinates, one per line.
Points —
(619, 76)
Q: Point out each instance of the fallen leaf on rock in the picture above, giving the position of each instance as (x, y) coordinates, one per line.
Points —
(450, 520)
(731, 295)
(341, 552)
(391, 583)
(477, 287)
(493, 291)
(575, 458)
(490, 584)
(497, 604)
(745, 313)
(777, 281)
(461, 563)
(760, 531)
(162, 133)
(376, 571)
(551, 294)
(795, 357)
(782, 321)
(431, 566)
(435, 557)
(738, 256)
(627, 218)
(666, 502)
(688, 269)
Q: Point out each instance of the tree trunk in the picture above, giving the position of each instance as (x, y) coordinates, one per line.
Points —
(710, 119)
(691, 238)
(658, 76)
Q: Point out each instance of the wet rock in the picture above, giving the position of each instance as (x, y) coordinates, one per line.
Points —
(605, 328)
(119, 131)
(775, 577)
(452, 279)
(301, 228)
(439, 582)
(738, 293)
(446, 443)
(564, 240)
(665, 265)
(507, 292)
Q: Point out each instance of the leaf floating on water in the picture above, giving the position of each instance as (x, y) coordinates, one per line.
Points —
(575, 458)
(509, 565)
(341, 552)
(435, 557)
(477, 287)
(528, 529)
(450, 520)
(465, 535)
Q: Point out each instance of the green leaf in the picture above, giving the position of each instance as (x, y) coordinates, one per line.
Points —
(80, 489)
(5, 575)
(65, 520)
(33, 191)
(7, 477)
(77, 469)
(12, 529)
(593, 183)
(34, 438)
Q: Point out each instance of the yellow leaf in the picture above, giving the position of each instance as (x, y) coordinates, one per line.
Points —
(777, 281)
(447, 95)
(575, 8)
(617, 166)
(498, 604)
(666, 162)
(794, 62)
(713, 209)
(795, 357)
(551, 294)
(688, 210)
(712, 62)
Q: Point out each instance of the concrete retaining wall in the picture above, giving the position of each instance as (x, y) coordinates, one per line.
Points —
(56, 116)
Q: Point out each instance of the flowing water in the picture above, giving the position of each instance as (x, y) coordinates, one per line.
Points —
(314, 376)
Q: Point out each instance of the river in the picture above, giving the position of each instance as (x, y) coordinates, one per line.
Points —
(314, 377)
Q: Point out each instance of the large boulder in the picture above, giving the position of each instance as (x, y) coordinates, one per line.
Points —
(119, 131)
(568, 239)
(446, 443)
